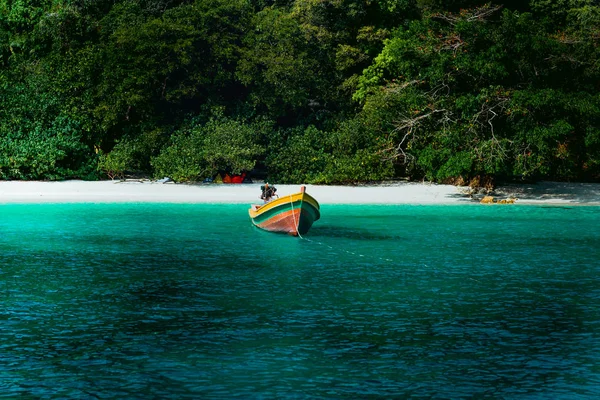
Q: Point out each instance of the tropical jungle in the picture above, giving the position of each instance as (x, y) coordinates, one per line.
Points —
(315, 91)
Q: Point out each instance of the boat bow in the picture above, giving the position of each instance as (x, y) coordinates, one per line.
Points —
(293, 214)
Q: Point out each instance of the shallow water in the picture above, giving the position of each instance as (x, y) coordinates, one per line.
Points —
(191, 301)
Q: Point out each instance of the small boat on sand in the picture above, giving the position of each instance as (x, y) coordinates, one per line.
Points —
(293, 214)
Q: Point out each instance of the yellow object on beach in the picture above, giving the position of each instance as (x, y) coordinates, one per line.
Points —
(491, 200)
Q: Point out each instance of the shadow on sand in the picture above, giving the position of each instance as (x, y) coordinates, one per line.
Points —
(546, 192)
(582, 193)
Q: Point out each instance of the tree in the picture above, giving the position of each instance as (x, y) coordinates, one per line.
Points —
(482, 92)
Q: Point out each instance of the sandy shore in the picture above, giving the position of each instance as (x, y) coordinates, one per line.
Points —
(397, 193)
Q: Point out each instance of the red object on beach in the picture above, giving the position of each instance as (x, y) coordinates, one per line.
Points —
(238, 178)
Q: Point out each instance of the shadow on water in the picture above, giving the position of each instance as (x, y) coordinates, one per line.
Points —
(354, 233)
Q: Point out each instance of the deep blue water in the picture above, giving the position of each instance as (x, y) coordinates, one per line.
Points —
(191, 301)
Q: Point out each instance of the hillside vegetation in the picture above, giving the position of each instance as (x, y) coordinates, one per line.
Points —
(315, 91)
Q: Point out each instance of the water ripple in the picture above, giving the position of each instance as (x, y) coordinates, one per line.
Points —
(183, 301)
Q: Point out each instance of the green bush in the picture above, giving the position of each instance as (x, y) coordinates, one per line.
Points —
(46, 153)
(131, 156)
(116, 163)
(220, 145)
(182, 160)
(313, 156)
(298, 156)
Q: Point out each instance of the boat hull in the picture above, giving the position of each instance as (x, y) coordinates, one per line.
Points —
(293, 214)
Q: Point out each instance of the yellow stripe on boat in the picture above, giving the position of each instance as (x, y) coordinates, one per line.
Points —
(285, 199)
(293, 214)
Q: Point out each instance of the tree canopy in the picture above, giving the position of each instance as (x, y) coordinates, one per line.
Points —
(316, 91)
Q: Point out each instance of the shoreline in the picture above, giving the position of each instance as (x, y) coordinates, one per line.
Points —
(131, 191)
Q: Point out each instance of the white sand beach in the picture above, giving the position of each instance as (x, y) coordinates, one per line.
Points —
(393, 193)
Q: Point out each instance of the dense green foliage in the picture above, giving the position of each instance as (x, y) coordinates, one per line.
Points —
(321, 91)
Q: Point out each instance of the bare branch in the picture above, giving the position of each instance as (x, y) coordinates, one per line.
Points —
(476, 14)
(396, 88)
(452, 42)
(484, 119)
(433, 93)
(408, 125)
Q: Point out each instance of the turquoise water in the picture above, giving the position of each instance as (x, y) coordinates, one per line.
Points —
(191, 301)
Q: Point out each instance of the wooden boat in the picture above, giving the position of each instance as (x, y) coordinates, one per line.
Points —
(293, 214)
